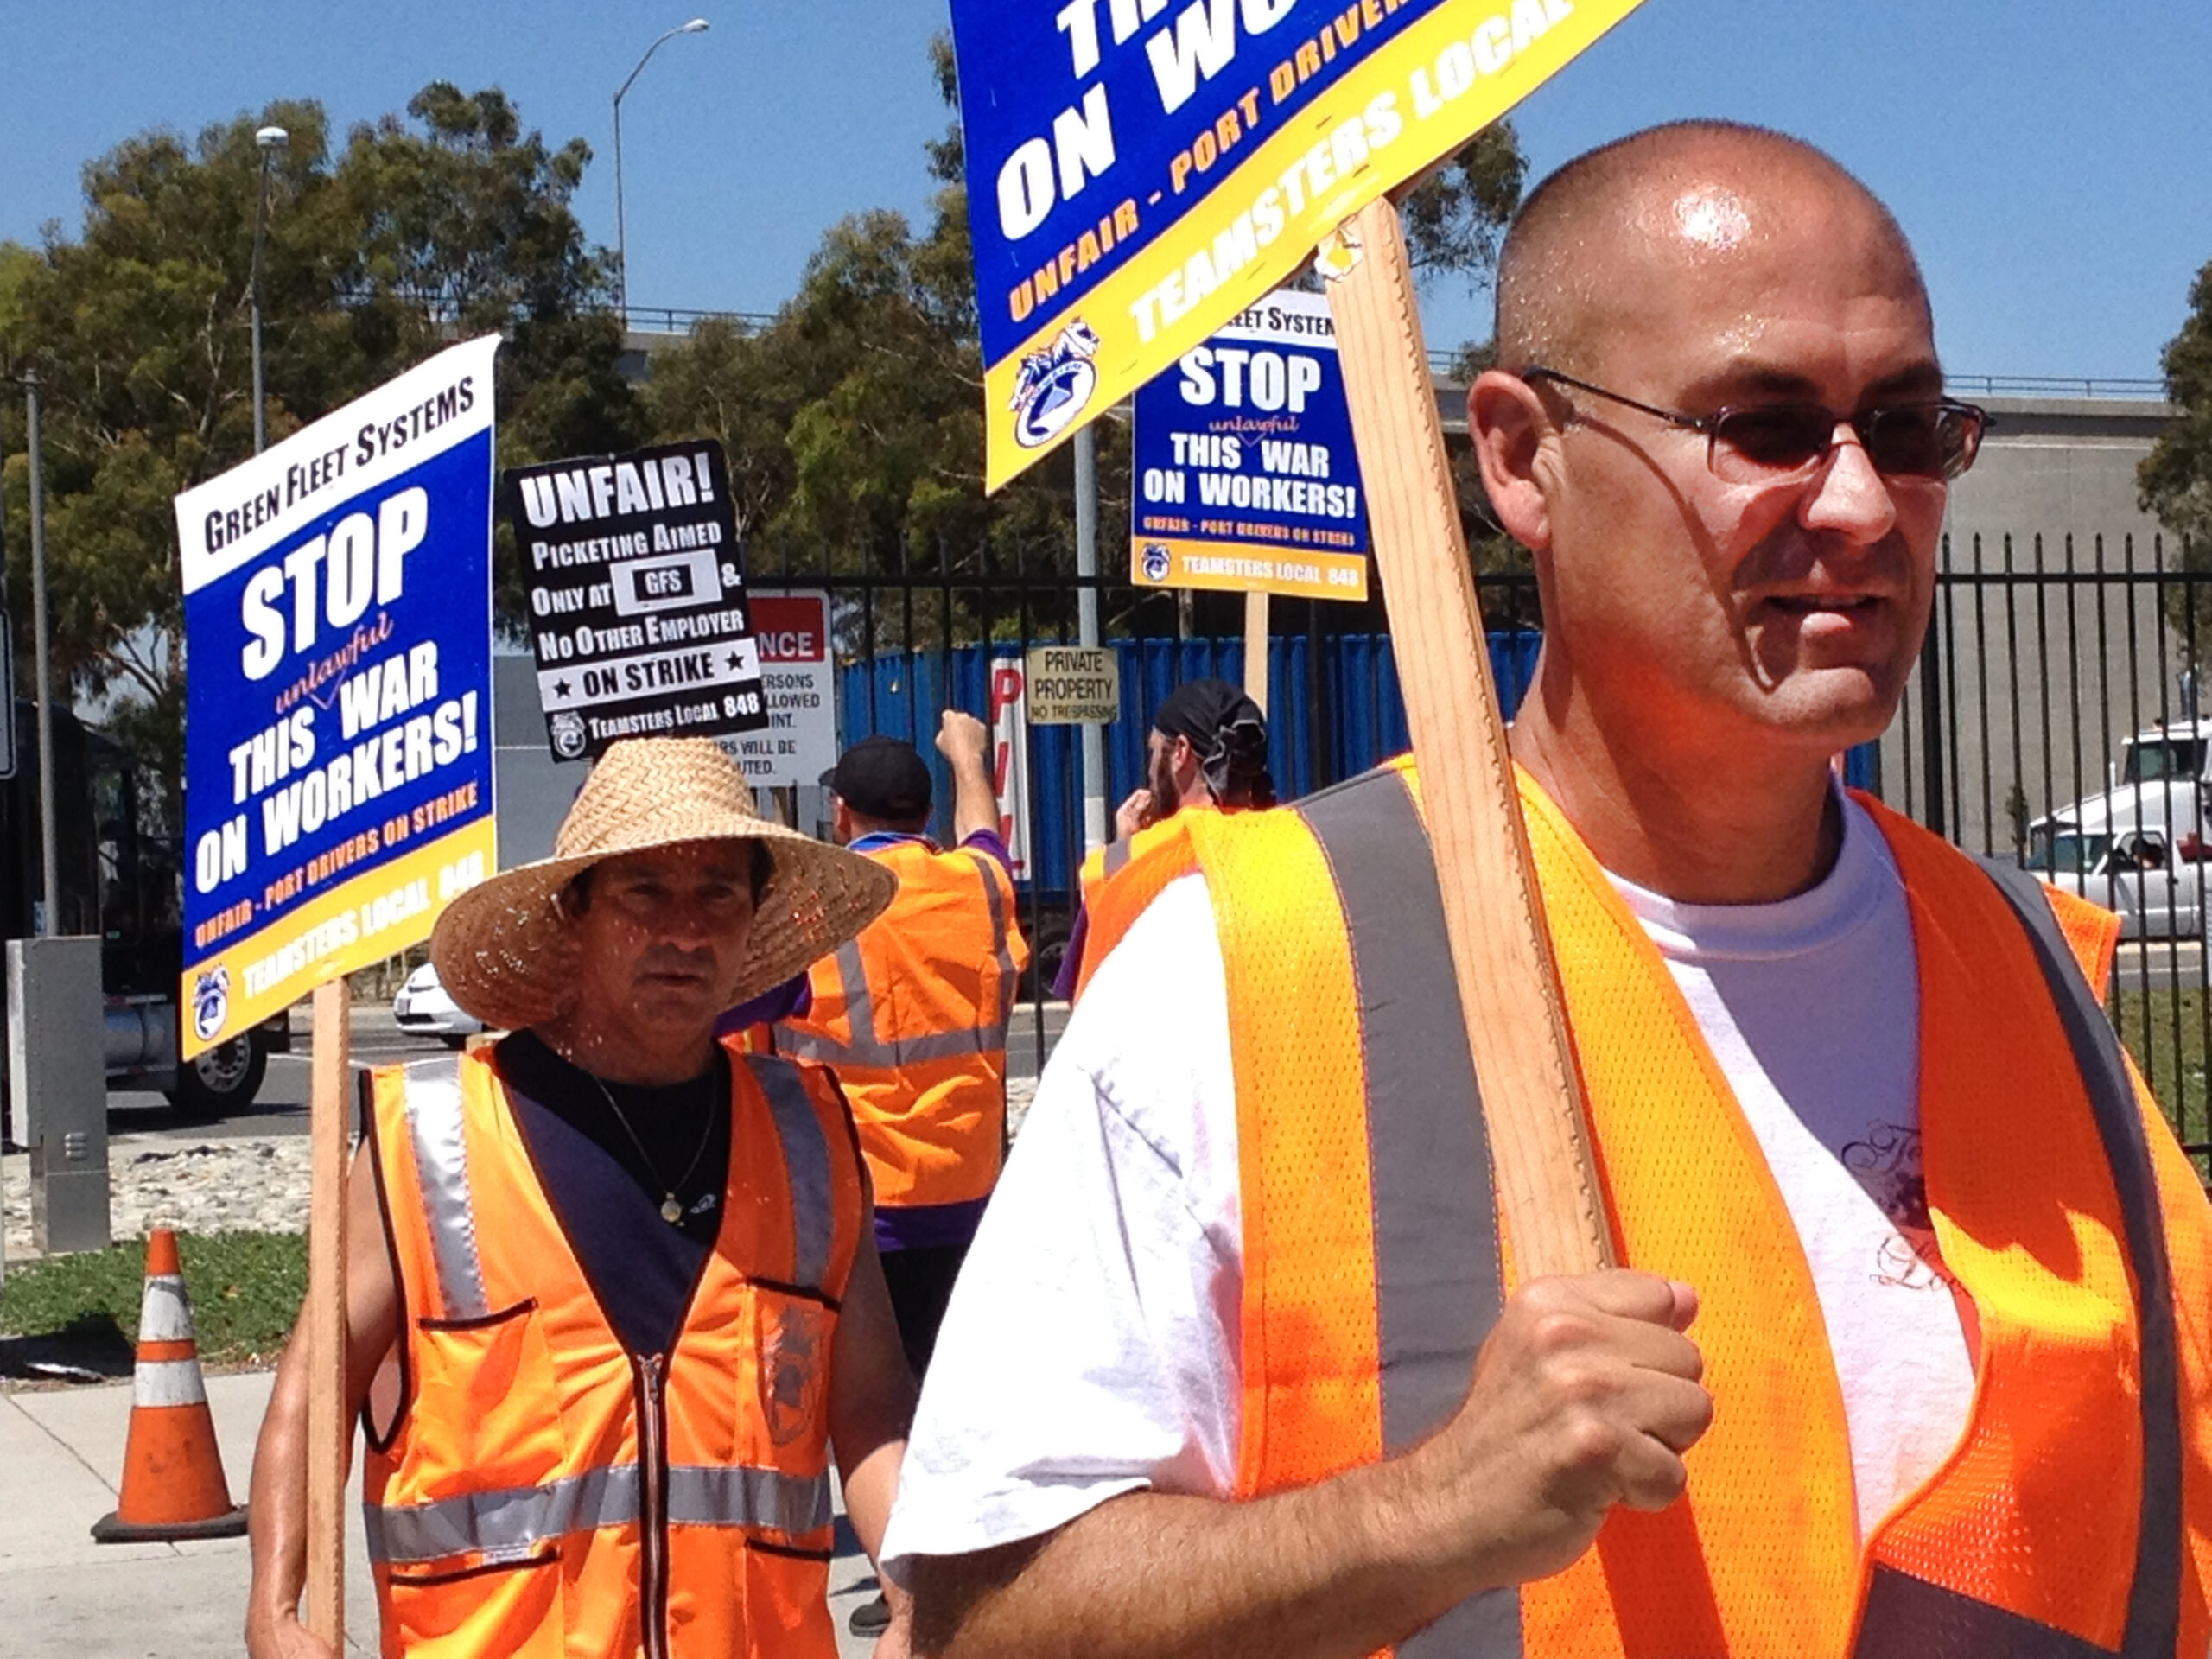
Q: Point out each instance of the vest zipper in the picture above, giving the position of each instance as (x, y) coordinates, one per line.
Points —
(652, 1519)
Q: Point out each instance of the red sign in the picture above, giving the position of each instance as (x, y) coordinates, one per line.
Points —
(790, 628)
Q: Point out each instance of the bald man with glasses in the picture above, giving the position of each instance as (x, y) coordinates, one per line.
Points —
(1908, 1353)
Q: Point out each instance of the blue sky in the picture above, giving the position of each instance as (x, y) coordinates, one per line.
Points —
(2052, 160)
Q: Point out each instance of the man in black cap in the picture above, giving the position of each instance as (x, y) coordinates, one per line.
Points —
(1208, 747)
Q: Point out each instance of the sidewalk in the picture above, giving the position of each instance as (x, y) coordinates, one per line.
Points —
(61, 1593)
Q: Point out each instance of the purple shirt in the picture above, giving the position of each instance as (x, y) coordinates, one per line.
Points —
(983, 840)
(791, 999)
(927, 1226)
(1064, 982)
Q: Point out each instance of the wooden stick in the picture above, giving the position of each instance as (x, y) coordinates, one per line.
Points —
(1256, 647)
(329, 1430)
(1509, 988)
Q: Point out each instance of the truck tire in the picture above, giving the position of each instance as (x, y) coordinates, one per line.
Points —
(1045, 951)
(224, 1078)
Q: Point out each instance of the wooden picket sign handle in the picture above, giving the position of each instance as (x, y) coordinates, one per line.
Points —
(1501, 952)
(1256, 647)
(329, 1429)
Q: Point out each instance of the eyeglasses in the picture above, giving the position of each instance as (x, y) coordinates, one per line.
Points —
(1765, 443)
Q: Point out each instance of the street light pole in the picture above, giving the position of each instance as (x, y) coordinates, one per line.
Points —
(1086, 603)
(42, 655)
(696, 26)
(270, 140)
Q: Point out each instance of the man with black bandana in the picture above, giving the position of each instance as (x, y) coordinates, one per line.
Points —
(1208, 747)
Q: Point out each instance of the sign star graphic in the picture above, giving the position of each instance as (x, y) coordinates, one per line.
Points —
(736, 661)
(560, 688)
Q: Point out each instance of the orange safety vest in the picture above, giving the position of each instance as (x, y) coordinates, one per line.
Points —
(542, 1492)
(914, 1016)
(1105, 864)
(2074, 1518)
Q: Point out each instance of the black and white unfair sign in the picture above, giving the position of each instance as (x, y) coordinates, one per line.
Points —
(637, 598)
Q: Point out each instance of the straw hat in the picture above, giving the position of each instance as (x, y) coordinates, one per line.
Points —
(505, 951)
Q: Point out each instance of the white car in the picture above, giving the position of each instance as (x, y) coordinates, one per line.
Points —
(2154, 882)
(423, 1005)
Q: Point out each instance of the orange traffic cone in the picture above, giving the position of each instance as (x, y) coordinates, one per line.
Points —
(173, 1484)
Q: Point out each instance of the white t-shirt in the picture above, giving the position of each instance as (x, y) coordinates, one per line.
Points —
(1091, 1345)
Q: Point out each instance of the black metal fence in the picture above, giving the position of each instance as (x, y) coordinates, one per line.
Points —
(2055, 717)
(916, 637)
(2050, 663)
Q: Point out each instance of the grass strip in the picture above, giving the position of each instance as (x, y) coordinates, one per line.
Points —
(246, 1291)
(2168, 1031)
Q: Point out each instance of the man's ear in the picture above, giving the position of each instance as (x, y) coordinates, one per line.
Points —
(1508, 426)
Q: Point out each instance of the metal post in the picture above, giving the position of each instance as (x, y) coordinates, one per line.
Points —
(696, 26)
(260, 226)
(621, 240)
(267, 141)
(1086, 568)
(42, 651)
(1931, 719)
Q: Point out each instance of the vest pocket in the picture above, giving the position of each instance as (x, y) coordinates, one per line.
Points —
(787, 1606)
(791, 1346)
(508, 1607)
(486, 1416)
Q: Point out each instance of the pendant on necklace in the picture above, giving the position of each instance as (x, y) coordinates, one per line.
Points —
(670, 1210)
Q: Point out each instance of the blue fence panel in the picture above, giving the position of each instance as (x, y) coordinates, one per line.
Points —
(1862, 767)
(902, 695)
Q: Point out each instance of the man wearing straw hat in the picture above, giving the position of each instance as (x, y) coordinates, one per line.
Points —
(615, 1285)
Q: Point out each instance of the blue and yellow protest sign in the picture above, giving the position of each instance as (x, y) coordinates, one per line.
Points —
(1244, 474)
(338, 729)
(1138, 171)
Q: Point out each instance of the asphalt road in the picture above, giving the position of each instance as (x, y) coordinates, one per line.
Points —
(2161, 964)
(281, 1106)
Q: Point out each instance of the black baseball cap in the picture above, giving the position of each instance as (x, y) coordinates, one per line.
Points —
(881, 777)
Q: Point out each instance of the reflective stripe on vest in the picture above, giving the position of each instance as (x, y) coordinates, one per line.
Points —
(510, 1525)
(1001, 945)
(441, 1162)
(806, 1156)
(2154, 1600)
(864, 1049)
(1429, 1159)
(1430, 1318)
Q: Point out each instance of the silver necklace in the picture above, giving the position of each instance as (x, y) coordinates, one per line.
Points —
(671, 1208)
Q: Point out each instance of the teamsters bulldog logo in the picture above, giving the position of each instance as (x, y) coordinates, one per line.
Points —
(211, 1002)
(795, 1339)
(568, 735)
(1052, 385)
